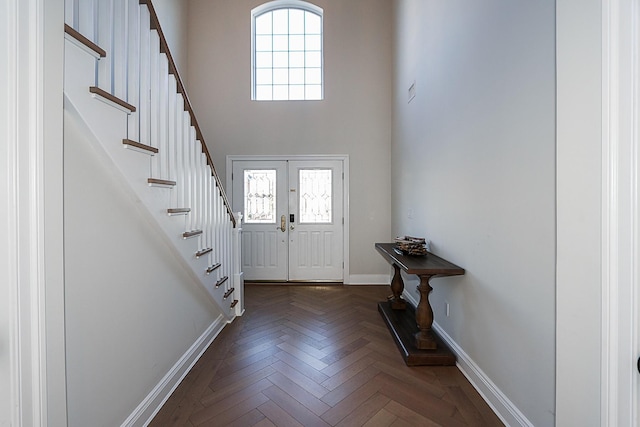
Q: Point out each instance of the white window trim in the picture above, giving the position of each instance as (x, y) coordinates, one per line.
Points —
(275, 5)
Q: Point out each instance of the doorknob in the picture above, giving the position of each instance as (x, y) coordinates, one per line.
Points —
(283, 224)
(292, 227)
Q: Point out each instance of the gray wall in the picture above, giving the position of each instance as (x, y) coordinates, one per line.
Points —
(354, 118)
(173, 16)
(473, 161)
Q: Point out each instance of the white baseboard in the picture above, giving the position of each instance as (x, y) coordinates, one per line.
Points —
(368, 279)
(504, 408)
(151, 404)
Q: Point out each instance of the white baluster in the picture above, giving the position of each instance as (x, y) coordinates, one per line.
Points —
(133, 69)
(86, 20)
(187, 168)
(120, 36)
(154, 100)
(180, 176)
(163, 114)
(71, 13)
(105, 41)
(143, 79)
(172, 137)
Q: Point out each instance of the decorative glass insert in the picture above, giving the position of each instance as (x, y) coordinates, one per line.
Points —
(260, 196)
(315, 196)
(287, 51)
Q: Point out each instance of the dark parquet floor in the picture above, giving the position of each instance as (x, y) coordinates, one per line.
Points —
(317, 356)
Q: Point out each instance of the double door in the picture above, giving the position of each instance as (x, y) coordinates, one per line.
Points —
(293, 219)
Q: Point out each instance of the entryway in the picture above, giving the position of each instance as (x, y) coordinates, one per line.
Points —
(293, 216)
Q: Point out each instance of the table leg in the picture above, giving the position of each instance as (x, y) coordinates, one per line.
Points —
(424, 316)
(397, 286)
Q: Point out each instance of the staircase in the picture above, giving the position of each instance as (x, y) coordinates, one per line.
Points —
(123, 87)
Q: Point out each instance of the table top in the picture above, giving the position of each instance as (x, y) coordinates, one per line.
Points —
(421, 265)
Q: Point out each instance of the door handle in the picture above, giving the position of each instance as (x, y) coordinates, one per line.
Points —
(283, 224)
(292, 227)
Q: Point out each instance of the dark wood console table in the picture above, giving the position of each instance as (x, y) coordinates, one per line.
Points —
(411, 327)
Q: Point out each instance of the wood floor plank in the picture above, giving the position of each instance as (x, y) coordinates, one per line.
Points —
(360, 415)
(307, 399)
(382, 418)
(346, 405)
(306, 383)
(349, 372)
(409, 416)
(317, 355)
(278, 416)
(229, 402)
(240, 410)
(298, 411)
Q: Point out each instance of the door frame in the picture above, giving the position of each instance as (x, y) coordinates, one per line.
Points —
(344, 158)
(620, 212)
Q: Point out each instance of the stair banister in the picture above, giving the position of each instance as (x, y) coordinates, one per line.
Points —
(164, 48)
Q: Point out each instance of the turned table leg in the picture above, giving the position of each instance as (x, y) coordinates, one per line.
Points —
(424, 316)
(397, 287)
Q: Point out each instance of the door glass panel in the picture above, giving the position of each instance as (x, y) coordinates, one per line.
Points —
(315, 196)
(260, 196)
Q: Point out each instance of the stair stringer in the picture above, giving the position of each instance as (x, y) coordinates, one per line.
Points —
(107, 126)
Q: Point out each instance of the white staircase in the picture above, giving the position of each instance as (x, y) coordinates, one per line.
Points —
(122, 86)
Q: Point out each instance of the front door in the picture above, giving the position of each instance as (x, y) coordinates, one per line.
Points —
(293, 219)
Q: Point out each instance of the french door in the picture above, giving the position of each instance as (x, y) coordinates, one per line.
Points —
(293, 218)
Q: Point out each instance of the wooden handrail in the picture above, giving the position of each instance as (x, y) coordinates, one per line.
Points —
(173, 69)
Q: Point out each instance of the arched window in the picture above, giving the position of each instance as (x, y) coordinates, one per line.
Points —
(286, 51)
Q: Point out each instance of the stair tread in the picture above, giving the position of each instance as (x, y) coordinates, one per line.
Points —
(191, 233)
(106, 95)
(157, 181)
(139, 145)
(85, 41)
(202, 252)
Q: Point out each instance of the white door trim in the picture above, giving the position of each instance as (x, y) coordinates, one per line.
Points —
(620, 233)
(345, 168)
(31, 227)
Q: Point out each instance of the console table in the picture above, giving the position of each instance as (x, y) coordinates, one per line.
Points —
(411, 327)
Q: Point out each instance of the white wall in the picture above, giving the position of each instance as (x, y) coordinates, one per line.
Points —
(579, 212)
(473, 160)
(354, 118)
(131, 309)
(174, 16)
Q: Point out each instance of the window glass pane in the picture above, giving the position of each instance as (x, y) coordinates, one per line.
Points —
(313, 42)
(296, 59)
(315, 196)
(296, 42)
(313, 59)
(263, 60)
(288, 52)
(281, 43)
(296, 21)
(263, 43)
(281, 21)
(280, 93)
(296, 76)
(313, 76)
(263, 93)
(263, 76)
(313, 92)
(263, 23)
(296, 92)
(280, 76)
(280, 59)
(312, 23)
(260, 196)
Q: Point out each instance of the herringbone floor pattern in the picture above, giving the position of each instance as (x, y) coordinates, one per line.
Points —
(317, 356)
